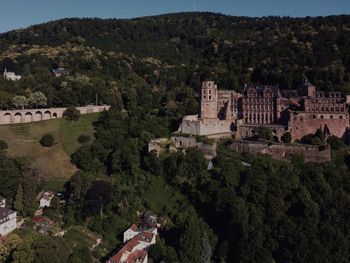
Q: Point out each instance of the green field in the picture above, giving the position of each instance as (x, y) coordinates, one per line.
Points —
(53, 164)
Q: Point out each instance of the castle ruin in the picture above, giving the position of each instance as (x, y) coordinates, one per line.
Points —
(226, 112)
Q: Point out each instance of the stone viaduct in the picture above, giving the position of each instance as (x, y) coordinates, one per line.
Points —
(31, 115)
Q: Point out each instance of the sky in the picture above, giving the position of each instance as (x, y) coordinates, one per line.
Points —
(15, 14)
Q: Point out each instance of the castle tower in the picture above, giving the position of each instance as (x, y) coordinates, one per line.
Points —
(311, 89)
(209, 100)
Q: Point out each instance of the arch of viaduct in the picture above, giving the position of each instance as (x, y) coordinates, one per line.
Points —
(32, 115)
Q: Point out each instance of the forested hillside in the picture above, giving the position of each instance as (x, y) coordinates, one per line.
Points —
(173, 54)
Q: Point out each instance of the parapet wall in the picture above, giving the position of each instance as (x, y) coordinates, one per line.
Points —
(176, 143)
(32, 115)
(282, 151)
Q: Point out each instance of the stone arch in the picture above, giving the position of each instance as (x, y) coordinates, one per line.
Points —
(7, 118)
(28, 117)
(38, 116)
(47, 115)
(54, 115)
(17, 118)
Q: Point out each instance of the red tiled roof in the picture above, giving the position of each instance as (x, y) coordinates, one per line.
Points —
(129, 247)
(133, 227)
(136, 256)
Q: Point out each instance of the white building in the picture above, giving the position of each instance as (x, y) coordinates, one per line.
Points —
(11, 75)
(46, 198)
(8, 218)
(133, 231)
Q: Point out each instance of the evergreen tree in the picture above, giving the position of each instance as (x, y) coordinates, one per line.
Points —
(18, 204)
(206, 250)
(191, 242)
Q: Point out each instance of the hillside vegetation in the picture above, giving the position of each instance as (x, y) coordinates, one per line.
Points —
(174, 53)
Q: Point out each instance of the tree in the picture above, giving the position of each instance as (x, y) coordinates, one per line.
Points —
(37, 99)
(265, 133)
(3, 145)
(83, 138)
(19, 102)
(71, 114)
(286, 137)
(81, 254)
(47, 140)
(206, 250)
(8, 246)
(30, 184)
(18, 204)
(190, 242)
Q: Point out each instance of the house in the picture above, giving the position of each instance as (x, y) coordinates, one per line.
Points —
(137, 239)
(133, 231)
(59, 72)
(135, 250)
(11, 75)
(8, 219)
(46, 198)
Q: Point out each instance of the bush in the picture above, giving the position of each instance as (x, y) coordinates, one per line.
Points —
(71, 114)
(286, 137)
(3, 145)
(84, 138)
(265, 133)
(47, 140)
(336, 143)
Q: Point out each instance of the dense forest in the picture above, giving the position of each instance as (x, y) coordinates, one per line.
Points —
(247, 208)
(173, 53)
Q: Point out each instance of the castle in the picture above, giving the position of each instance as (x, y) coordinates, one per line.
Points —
(226, 112)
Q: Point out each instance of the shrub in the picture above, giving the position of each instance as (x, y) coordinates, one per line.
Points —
(3, 145)
(265, 133)
(84, 138)
(47, 140)
(286, 137)
(336, 143)
(71, 114)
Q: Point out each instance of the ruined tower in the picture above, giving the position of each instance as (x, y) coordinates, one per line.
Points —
(209, 101)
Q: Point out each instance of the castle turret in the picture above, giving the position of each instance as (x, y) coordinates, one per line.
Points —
(209, 101)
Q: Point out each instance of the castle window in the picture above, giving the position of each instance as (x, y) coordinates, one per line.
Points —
(209, 97)
(341, 117)
(321, 116)
(331, 108)
(331, 116)
(314, 116)
(322, 108)
(210, 91)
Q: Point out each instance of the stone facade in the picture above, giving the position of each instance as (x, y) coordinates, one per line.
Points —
(226, 111)
(280, 151)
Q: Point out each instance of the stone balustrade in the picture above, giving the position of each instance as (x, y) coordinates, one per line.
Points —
(32, 115)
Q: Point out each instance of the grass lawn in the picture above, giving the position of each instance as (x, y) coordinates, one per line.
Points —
(53, 164)
(70, 131)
